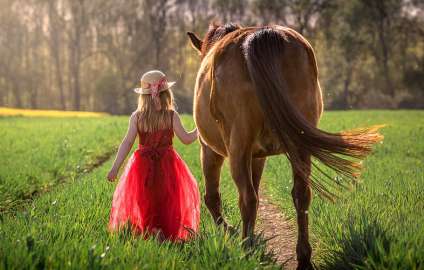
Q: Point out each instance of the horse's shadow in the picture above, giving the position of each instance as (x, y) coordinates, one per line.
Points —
(364, 241)
(254, 246)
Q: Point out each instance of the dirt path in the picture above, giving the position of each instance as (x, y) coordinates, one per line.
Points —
(275, 225)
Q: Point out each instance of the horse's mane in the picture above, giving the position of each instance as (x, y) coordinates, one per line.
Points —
(216, 32)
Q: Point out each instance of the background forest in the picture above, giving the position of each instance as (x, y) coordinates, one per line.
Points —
(89, 54)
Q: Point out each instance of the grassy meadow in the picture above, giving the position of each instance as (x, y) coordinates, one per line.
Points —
(65, 228)
(37, 153)
(379, 225)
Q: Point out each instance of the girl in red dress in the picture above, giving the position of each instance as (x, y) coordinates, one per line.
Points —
(156, 194)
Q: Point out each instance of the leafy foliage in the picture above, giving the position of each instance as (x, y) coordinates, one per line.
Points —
(88, 55)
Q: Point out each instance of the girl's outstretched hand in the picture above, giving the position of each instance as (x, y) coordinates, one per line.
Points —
(111, 176)
(184, 136)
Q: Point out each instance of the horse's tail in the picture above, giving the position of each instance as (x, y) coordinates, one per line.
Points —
(341, 152)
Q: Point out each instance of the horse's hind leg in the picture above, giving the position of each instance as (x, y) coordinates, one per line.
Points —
(257, 169)
(241, 170)
(211, 166)
(301, 194)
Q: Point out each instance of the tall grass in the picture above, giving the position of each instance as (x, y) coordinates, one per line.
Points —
(377, 226)
(37, 153)
(380, 225)
(66, 229)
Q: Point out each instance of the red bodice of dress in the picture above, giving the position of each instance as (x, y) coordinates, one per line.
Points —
(153, 146)
(157, 139)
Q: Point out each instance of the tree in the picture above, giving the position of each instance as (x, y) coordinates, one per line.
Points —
(63, 53)
(56, 24)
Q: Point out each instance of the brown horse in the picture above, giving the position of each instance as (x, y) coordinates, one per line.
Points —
(257, 94)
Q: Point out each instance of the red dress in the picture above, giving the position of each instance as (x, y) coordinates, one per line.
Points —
(157, 191)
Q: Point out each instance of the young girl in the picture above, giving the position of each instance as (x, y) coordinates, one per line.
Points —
(156, 194)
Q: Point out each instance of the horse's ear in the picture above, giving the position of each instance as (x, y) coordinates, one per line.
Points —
(196, 43)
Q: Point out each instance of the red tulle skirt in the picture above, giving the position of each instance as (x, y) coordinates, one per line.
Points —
(157, 194)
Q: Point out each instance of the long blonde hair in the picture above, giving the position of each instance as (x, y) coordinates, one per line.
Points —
(150, 119)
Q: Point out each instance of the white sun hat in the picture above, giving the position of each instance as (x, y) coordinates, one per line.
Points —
(152, 83)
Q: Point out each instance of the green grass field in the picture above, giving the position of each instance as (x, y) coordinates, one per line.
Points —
(37, 153)
(66, 227)
(379, 225)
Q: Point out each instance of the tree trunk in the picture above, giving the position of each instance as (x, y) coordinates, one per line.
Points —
(76, 72)
(59, 78)
(55, 52)
(78, 13)
(346, 84)
(385, 64)
(2, 94)
(158, 26)
(382, 34)
(16, 94)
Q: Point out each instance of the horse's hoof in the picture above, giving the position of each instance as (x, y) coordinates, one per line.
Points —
(229, 228)
(249, 242)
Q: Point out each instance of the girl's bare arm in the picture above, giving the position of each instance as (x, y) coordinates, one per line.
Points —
(184, 136)
(124, 148)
